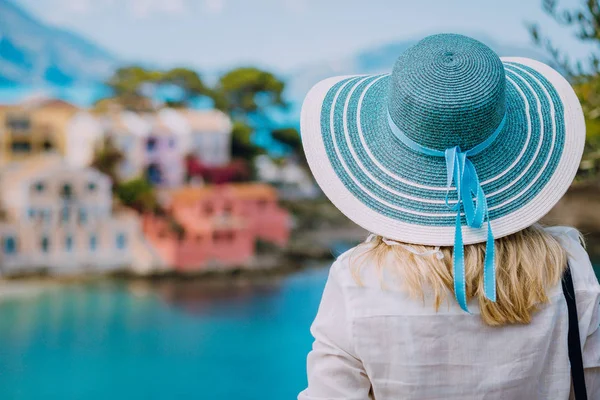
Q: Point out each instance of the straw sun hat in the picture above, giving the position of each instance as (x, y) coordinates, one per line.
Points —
(455, 146)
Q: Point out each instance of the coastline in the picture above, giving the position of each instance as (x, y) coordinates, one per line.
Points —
(321, 233)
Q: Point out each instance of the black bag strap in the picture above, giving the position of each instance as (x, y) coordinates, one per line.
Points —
(575, 356)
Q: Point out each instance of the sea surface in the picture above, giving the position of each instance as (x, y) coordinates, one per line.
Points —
(171, 340)
(168, 340)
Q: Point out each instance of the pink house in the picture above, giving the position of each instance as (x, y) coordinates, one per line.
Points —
(217, 226)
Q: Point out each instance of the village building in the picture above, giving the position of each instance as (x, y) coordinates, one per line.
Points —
(34, 127)
(150, 148)
(209, 136)
(61, 219)
(291, 178)
(155, 145)
(217, 226)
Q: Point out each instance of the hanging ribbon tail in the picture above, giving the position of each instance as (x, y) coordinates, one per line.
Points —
(460, 285)
(475, 210)
(489, 268)
(471, 198)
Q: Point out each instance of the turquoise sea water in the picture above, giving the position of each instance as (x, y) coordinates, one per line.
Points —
(170, 340)
(164, 341)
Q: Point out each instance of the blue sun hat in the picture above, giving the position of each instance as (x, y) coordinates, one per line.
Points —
(455, 146)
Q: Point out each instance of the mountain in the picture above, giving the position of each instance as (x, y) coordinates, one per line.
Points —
(381, 59)
(34, 53)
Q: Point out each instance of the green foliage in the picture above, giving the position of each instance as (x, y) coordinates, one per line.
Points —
(241, 93)
(188, 80)
(245, 92)
(248, 90)
(106, 159)
(129, 80)
(127, 84)
(290, 137)
(138, 194)
(241, 142)
(584, 22)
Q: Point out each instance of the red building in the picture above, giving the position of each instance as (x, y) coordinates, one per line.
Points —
(217, 226)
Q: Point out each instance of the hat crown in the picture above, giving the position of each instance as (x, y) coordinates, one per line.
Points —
(448, 90)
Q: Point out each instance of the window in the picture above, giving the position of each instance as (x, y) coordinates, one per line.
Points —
(223, 236)
(121, 241)
(82, 216)
(151, 144)
(69, 243)
(262, 203)
(18, 123)
(208, 208)
(45, 244)
(20, 146)
(31, 213)
(198, 238)
(154, 174)
(227, 208)
(46, 214)
(229, 236)
(39, 187)
(10, 245)
(65, 214)
(91, 186)
(66, 191)
(93, 242)
(47, 145)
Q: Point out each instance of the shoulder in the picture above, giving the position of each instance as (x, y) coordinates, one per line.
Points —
(360, 268)
(584, 276)
(565, 234)
(352, 267)
(342, 268)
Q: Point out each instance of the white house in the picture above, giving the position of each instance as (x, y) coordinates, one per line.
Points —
(210, 136)
(154, 144)
(84, 134)
(61, 218)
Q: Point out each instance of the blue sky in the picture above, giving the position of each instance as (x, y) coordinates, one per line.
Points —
(283, 34)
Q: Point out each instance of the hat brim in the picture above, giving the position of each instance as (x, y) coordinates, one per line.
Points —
(393, 191)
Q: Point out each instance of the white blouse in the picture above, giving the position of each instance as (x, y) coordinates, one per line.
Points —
(374, 343)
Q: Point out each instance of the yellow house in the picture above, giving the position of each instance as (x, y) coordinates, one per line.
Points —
(34, 128)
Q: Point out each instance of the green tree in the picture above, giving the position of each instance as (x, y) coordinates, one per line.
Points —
(247, 94)
(107, 158)
(290, 137)
(243, 91)
(127, 84)
(188, 81)
(138, 194)
(584, 22)
(241, 142)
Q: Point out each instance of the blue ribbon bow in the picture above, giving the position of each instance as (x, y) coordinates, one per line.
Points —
(461, 171)
(470, 197)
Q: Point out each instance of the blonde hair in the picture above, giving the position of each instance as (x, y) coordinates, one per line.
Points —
(528, 263)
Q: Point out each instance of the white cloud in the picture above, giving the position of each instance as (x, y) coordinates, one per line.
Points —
(65, 9)
(214, 6)
(78, 6)
(297, 6)
(147, 8)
